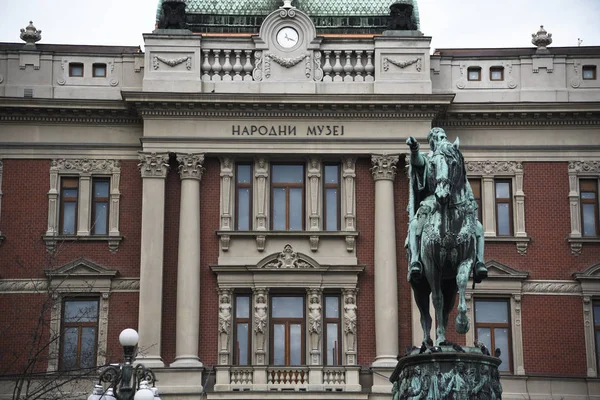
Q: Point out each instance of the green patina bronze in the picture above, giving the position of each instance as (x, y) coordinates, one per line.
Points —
(445, 239)
(329, 16)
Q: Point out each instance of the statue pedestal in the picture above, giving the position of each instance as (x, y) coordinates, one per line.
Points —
(447, 375)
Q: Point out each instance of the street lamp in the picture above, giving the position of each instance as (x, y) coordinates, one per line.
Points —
(126, 381)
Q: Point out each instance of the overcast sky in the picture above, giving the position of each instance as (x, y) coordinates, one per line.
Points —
(451, 23)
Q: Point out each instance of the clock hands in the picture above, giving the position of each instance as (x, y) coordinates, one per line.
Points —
(289, 38)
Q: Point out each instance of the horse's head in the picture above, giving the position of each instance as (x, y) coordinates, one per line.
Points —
(448, 171)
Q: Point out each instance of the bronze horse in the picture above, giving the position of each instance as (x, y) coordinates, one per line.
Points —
(448, 243)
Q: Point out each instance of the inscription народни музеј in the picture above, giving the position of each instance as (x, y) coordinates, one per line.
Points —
(286, 130)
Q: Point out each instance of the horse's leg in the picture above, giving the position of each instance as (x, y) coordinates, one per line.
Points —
(449, 292)
(421, 292)
(438, 303)
(462, 279)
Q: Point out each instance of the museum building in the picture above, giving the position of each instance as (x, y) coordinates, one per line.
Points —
(237, 193)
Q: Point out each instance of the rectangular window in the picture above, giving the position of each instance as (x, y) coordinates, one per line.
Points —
(496, 73)
(80, 334)
(597, 331)
(588, 192)
(589, 72)
(76, 70)
(503, 207)
(243, 196)
(474, 73)
(332, 333)
(241, 351)
(331, 198)
(476, 189)
(287, 197)
(69, 191)
(99, 70)
(287, 330)
(100, 205)
(492, 328)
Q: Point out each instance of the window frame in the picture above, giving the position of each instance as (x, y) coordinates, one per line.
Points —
(580, 170)
(98, 65)
(594, 202)
(239, 320)
(591, 68)
(327, 320)
(474, 69)
(64, 200)
(95, 201)
(504, 200)
(497, 69)
(336, 186)
(288, 186)
(243, 185)
(79, 325)
(493, 325)
(72, 65)
(477, 196)
(287, 322)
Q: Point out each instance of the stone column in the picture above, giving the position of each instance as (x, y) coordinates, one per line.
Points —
(386, 287)
(188, 266)
(154, 168)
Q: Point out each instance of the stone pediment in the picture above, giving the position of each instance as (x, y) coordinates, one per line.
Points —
(81, 268)
(498, 270)
(591, 273)
(287, 259)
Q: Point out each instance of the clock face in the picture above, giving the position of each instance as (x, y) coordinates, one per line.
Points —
(287, 37)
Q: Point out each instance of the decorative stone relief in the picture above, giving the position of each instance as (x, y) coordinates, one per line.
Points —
(64, 66)
(462, 81)
(172, 62)
(261, 174)
(315, 325)
(588, 321)
(541, 39)
(493, 167)
(551, 287)
(261, 324)
(226, 196)
(113, 81)
(314, 193)
(384, 166)
(287, 63)
(511, 83)
(153, 165)
(288, 258)
(190, 166)
(224, 325)
(349, 193)
(1, 78)
(401, 64)
(261, 241)
(350, 243)
(314, 243)
(349, 296)
(318, 75)
(30, 35)
(258, 65)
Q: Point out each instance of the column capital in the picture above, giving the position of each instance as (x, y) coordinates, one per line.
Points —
(153, 165)
(384, 166)
(190, 165)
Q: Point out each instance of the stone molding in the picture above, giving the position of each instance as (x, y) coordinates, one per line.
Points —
(190, 166)
(590, 290)
(384, 167)
(474, 118)
(153, 165)
(41, 285)
(226, 199)
(493, 167)
(313, 187)
(578, 170)
(552, 288)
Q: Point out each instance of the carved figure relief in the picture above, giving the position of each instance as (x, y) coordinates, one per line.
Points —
(288, 258)
(224, 319)
(260, 320)
(314, 318)
(350, 320)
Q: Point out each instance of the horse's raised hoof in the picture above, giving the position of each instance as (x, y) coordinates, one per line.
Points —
(415, 272)
(481, 272)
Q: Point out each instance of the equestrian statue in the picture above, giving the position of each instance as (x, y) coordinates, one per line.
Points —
(445, 239)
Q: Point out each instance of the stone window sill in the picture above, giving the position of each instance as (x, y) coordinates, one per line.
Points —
(53, 240)
(522, 242)
(313, 237)
(576, 243)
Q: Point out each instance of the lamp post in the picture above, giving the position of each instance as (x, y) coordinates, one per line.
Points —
(126, 381)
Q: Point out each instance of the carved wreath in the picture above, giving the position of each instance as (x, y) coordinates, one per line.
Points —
(401, 64)
(172, 62)
(287, 63)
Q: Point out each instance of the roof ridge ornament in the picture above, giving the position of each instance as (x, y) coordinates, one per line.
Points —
(287, 4)
(541, 39)
(30, 35)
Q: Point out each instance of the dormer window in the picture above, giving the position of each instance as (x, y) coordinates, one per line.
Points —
(99, 70)
(496, 73)
(589, 72)
(76, 70)
(474, 73)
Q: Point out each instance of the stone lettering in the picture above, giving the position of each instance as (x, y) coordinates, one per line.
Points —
(325, 130)
(286, 130)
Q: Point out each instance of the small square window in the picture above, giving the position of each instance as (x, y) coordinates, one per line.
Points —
(589, 72)
(99, 70)
(474, 73)
(76, 69)
(496, 74)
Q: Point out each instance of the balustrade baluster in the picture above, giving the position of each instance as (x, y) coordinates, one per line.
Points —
(327, 67)
(248, 65)
(359, 68)
(337, 68)
(348, 66)
(237, 66)
(216, 66)
(206, 66)
(369, 68)
(227, 67)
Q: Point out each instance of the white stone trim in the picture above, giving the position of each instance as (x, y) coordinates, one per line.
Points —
(347, 188)
(488, 172)
(85, 169)
(577, 171)
(227, 194)
(590, 290)
(314, 203)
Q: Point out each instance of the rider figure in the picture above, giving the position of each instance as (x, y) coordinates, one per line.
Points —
(420, 164)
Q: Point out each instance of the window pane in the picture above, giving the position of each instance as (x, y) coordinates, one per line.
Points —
(332, 344)
(331, 174)
(295, 344)
(69, 218)
(279, 344)
(502, 190)
(597, 315)
(331, 223)
(99, 224)
(288, 307)
(69, 348)
(99, 69)
(76, 69)
(88, 347)
(242, 307)
(503, 215)
(501, 342)
(296, 209)
(288, 174)
(589, 219)
(588, 195)
(491, 311)
(80, 311)
(484, 336)
(70, 193)
(332, 307)
(243, 173)
(243, 209)
(279, 209)
(242, 344)
(100, 188)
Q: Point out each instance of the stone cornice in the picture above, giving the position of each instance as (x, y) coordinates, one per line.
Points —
(35, 285)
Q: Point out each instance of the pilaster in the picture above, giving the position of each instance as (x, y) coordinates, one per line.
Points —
(314, 193)
(315, 325)
(225, 321)
(260, 326)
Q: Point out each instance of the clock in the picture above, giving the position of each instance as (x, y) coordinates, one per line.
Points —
(287, 37)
